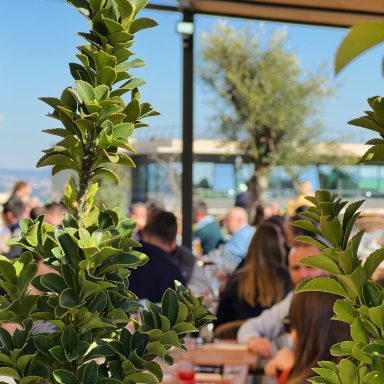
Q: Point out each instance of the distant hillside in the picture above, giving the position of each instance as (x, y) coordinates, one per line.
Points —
(39, 179)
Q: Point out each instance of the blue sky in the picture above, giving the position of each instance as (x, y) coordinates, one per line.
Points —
(38, 39)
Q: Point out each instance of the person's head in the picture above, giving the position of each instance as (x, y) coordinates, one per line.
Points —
(161, 230)
(36, 212)
(13, 211)
(138, 212)
(313, 332)
(54, 213)
(300, 272)
(22, 189)
(236, 218)
(259, 274)
(259, 216)
(200, 210)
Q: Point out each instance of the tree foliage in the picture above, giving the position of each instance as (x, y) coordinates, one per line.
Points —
(265, 101)
(85, 299)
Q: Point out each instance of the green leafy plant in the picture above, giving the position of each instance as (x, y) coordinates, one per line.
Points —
(360, 38)
(362, 302)
(86, 304)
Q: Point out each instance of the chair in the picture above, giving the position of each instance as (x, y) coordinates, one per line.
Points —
(228, 330)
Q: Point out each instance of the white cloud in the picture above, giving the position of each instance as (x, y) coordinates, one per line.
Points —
(1, 117)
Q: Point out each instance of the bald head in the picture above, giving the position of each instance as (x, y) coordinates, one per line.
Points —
(236, 218)
(300, 272)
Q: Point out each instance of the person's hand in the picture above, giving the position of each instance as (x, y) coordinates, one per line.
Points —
(261, 346)
(283, 360)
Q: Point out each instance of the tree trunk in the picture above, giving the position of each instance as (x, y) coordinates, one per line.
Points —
(257, 187)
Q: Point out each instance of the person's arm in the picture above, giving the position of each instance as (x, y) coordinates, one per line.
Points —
(269, 324)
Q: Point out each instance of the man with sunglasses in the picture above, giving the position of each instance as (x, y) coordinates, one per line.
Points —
(259, 332)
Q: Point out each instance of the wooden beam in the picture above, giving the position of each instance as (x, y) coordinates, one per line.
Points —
(294, 12)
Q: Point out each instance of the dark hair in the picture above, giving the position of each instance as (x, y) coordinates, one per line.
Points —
(310, 316)
(15, 206)
(54, 206)
(258, 279)
(163, 225)
(36, 212)
(279, 221)
(200, 206)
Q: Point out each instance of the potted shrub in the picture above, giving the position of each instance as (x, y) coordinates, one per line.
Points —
(86, 303)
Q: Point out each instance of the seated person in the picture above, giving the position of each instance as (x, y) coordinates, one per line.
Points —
(313, 333)
(241, 232)
(54, 213)
(260, 282)
(259, 332)
(207, 230)
(13, 211)
(151, 280)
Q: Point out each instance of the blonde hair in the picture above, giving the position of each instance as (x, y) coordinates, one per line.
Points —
(258, 279)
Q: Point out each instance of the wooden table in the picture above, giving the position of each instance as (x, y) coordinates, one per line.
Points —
(224, 353)
(230, 355)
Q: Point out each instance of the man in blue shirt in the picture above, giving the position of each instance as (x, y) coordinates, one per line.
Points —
(237, 225)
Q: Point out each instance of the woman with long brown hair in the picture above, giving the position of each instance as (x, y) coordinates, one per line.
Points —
(260, 282)
(312, 333)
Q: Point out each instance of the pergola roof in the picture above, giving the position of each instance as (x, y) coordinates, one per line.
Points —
(340, 13)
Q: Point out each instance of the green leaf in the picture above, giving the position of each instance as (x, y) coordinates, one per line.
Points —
(10, 372)
(354, 282)
(142, 23)
(373, 261)
(91, 373)
(374, 154)
(332, 230)
(184, 327)
(347, 260)
(132, 111)
(70, 341)
(169, 306)
(140, 377)
(344, 311)
(358, 332)
(348, 372)
(156, 348)
(85, 91)
(329, 375)
(322, 284)
(360, 38)
(56, 159)
(53, 282)
(374, 378)
(311, 241)
(107, 76)
(7, 270)
(376, 314)
(64, 377)
(321, 262)
(69, 300)
(374, 348)
(106, 172)
(170, 338)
